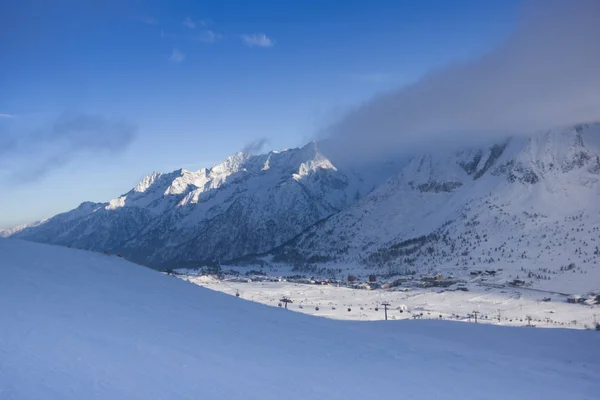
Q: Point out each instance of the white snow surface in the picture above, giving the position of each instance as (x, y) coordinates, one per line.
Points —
(82, 325)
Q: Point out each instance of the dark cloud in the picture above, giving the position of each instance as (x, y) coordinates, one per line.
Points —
(255, 146)
(545, 75)
(30, 156)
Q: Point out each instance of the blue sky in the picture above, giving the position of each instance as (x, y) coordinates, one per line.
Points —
(189, 82)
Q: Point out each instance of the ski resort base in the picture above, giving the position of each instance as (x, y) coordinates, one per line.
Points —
(501, 306)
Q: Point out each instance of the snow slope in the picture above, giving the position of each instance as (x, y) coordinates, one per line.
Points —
(82, 325)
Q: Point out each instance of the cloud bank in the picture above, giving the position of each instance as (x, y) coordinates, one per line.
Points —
(544, 75)
(29, 157)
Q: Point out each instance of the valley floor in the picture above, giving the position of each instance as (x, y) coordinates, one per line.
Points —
(500, 306)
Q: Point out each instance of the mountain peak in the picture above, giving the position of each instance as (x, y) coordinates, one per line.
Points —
(146, 182)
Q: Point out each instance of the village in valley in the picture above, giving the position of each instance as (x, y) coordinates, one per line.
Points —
(479, 296)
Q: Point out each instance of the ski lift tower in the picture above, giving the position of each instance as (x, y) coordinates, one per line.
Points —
(385, 306)
(285, 300)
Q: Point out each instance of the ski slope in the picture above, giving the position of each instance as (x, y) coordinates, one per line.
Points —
(82, 325)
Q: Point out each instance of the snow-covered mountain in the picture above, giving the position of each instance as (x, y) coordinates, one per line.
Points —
(528, 204)
(247, 204)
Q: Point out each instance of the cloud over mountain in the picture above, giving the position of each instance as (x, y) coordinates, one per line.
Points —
(544, 75)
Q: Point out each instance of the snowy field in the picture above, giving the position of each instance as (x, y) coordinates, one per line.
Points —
(506, 306)
(82, 325)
